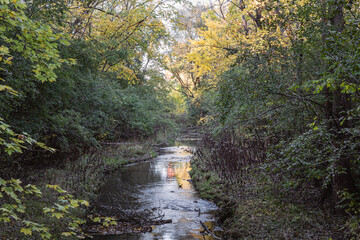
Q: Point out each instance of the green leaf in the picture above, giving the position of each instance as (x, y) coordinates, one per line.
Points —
(46, 210)
(4, 219)
(45, 235)
(67, 234)
(26, 231)
(10, 191)
(7, 88)
(21, 208)
(2, 182)
(57, 215)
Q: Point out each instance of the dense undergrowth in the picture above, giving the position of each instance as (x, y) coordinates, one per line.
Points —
(253, 205)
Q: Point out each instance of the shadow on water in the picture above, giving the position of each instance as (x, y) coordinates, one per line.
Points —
(162, 184)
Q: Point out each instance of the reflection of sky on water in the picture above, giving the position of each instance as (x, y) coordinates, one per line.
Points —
(162, 184)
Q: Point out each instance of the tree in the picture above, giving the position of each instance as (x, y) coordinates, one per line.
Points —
(23, 37)
(274, 67)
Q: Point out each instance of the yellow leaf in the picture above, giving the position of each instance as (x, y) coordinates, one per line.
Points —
(74, 203)
(84, 202)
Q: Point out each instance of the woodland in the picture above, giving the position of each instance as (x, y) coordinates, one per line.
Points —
(273, 86)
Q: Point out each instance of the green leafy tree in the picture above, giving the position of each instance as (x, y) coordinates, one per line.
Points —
(28, 39)
(286, 69)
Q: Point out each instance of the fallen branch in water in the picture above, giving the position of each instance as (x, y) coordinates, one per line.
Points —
(206, 229)
(159, 222)
(112, 218)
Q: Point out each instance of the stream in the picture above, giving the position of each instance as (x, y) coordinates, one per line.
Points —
(162, 184)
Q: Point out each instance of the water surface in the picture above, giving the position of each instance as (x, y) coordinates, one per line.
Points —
(162, 184)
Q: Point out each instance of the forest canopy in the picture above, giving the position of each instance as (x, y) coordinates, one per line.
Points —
(76, 71)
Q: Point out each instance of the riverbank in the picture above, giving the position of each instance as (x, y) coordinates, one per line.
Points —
(85, 175)
(254, 209)
(82, 176)
(63, 196)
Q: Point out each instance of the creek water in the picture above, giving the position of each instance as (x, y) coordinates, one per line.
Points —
(162, 184)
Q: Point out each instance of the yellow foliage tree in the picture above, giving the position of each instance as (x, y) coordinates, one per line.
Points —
(124, 28)
(234, 30)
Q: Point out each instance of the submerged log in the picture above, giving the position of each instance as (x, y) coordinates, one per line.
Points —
(160, 222)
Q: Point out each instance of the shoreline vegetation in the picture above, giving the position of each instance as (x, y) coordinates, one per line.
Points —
(253, 207)
(69, 195)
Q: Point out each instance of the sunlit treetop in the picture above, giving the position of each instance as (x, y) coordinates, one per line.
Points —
(126, 32)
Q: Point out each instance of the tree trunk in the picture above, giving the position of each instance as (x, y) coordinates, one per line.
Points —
(337, 103)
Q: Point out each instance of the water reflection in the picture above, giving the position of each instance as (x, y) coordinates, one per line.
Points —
(170, 172)
(182, 174)
(162, 184)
